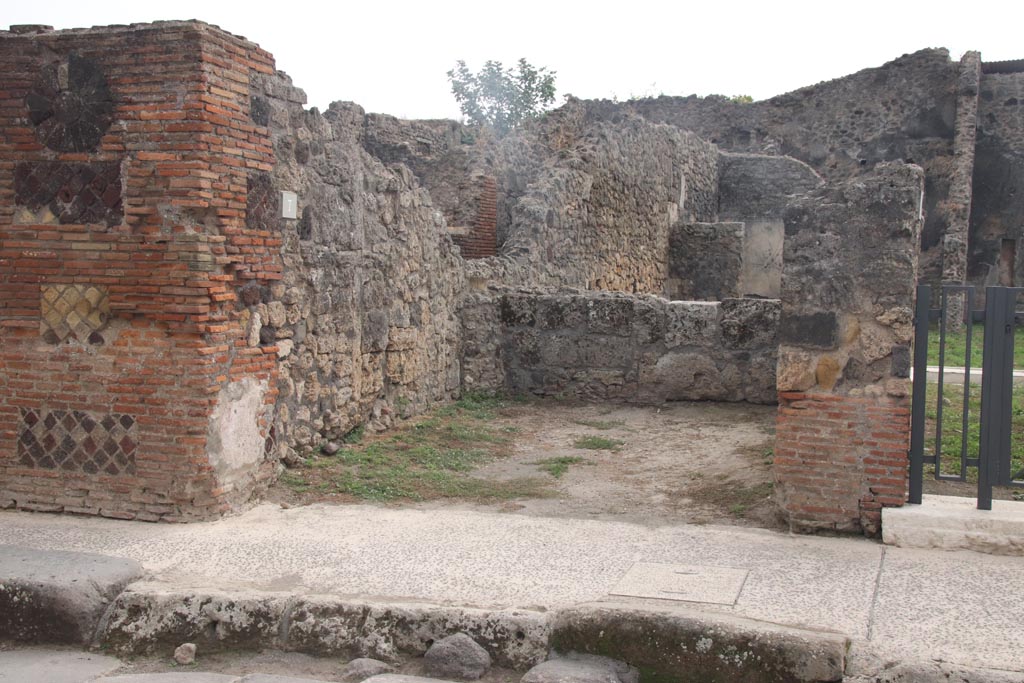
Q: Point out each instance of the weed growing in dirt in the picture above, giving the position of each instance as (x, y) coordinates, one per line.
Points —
(558, 466)
(746, 497)
(354, 436)
(598, 443)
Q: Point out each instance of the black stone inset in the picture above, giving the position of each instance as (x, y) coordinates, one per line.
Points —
(259, 110)
(901, 361)
(74, 193)
(71, 105)
(74, 441)
(262, 206)
(816, 330)
(305, 225)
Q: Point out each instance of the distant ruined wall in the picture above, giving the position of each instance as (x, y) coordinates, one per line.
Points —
(447, 159)
(364, 317)
(589, 196)
(606, 346)
(997, 211)
(741, 255)
(845, 336)
(904, 110)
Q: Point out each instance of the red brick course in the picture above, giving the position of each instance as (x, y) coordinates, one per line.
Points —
(482, 240)
(182, 134)
(840, 459)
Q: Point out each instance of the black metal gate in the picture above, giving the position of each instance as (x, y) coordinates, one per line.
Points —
(985, 430)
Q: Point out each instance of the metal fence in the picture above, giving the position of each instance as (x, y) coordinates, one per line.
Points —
(990, 454)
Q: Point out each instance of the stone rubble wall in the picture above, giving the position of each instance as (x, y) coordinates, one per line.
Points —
(705, 261)
(997, 209)
(607, 346)
(754, 186)
(588, 196)
(845, 336)
(742, 254)
(365, 315)
(957, 207)
(904, 110)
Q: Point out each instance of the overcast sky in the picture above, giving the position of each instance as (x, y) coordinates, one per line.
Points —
(391, 56)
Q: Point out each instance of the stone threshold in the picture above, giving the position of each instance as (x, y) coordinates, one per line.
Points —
(955, 523)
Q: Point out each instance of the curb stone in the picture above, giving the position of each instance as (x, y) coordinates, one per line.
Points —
(55, 596)
(698, 646)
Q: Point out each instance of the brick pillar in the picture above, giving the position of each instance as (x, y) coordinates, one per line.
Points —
(843, 425)
(958, 205)
(129, 222)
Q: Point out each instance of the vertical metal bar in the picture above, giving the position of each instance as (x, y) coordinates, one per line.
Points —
(988, 437)
(1002, 463)
(969, 301)
(944, 299)
(917, 405)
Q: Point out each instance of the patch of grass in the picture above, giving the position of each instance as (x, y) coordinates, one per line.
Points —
(295, 481)
(558, 466)
(953, 434)
(956, 346)
(597, 443)
(354, 436)
(431, 458)
(601, 424)
(480, 405)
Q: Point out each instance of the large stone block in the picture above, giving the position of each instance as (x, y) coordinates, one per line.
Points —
(692, 323)
(812, 330)
(750, 323)
(692, 647)
(50, 596)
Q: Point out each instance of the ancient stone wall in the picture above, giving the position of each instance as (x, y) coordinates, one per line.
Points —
(131, 214)
(742, 254)
(957, 207)
(364, 317)
(845, 335)
(904, 110)
(447, 159)
(589, 194)
(603, 346)
(997, 209)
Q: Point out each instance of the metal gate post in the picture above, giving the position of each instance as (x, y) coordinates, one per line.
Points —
(917, 412)
(996, 390)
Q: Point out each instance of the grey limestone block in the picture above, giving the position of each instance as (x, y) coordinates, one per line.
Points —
(50, 596)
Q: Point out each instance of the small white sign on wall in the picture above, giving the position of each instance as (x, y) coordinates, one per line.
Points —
(289, 205)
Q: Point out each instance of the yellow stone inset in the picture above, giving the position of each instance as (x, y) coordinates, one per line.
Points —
(73, 310)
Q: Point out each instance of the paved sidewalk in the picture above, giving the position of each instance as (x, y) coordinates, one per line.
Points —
(958, 607)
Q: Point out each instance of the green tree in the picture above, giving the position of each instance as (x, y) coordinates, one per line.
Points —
(502, 97)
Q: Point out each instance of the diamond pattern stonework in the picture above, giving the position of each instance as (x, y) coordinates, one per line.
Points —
(73, 192)
(76, 311)
(76, 441)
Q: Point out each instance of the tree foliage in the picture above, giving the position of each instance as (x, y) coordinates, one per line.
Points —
(502, 97)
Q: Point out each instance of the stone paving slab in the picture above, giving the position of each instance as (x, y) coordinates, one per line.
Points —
(370, 555)
(54, 596)
(175, 677)
(204, 677)
(38, 665)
